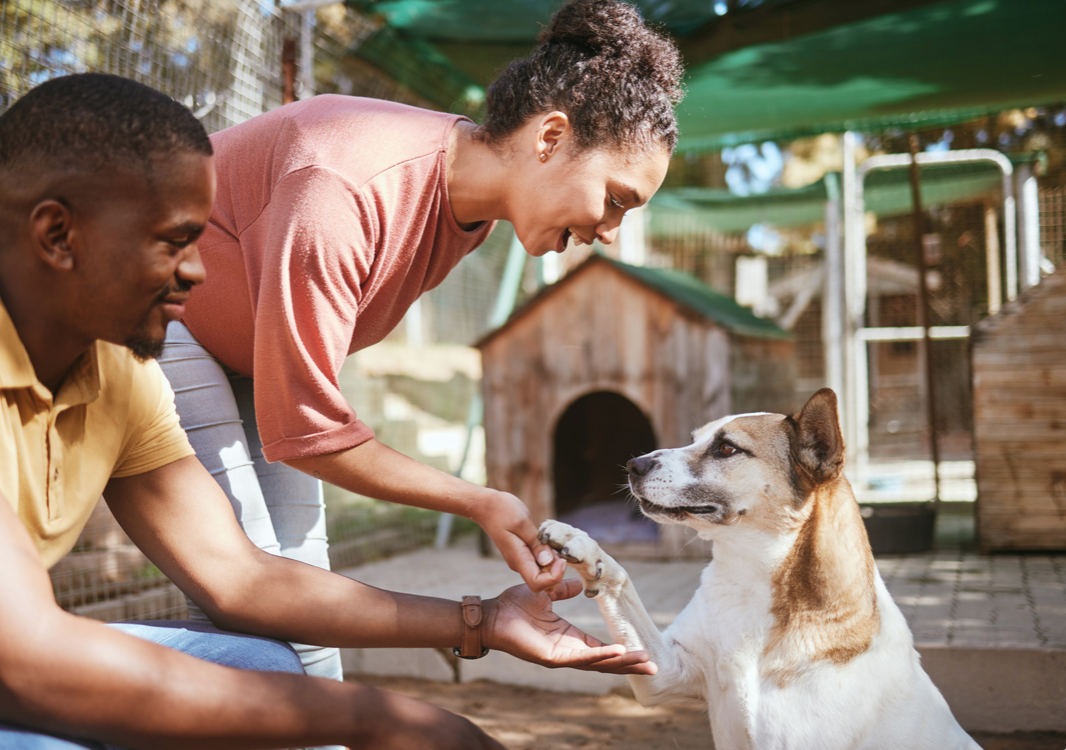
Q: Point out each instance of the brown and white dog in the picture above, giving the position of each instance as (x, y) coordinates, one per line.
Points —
(792, 639)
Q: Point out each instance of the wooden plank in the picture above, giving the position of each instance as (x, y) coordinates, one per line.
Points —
(1024, 469)
(1003, 396)
(1020, 378)
(1021, 409)
(1026, 319)
(1028, 341)
(1001, 431)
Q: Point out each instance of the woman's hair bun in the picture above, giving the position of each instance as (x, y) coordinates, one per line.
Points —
(617, 78)
(599, 25)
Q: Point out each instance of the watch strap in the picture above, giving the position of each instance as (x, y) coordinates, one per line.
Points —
(470, 644)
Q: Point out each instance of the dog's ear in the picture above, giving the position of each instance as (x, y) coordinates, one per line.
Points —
(817, 444)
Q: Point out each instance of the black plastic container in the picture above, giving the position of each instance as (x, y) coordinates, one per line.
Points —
(899, 528)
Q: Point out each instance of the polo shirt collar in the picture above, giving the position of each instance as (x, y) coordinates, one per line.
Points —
(81, 385)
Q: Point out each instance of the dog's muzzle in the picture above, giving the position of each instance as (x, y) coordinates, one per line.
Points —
(677, 513)
(639, 469)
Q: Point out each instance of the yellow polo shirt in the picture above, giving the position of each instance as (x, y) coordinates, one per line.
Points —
(112, 417)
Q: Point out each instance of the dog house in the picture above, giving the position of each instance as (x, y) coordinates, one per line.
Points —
(611, 362)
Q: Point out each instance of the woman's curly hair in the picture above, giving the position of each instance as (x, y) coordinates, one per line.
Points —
(616, 78)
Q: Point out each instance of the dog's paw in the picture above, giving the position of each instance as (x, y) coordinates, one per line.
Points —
(577, 548)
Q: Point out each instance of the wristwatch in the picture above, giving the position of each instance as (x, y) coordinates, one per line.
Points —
(471, 647)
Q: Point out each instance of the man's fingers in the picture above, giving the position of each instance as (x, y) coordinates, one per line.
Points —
(567, 589)
(613, 666)
(629, 662)
(611, 659)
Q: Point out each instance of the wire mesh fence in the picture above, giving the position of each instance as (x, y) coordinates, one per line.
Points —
(1053, 224)
(222, 59)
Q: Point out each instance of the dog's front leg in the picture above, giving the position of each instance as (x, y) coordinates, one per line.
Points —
(627, 619)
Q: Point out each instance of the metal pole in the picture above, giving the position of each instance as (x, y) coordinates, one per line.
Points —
(995, 280)
(854, 301)
(924, 315)
(501, 311)
(833, 296)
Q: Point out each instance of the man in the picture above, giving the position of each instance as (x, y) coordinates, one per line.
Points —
(105, 186)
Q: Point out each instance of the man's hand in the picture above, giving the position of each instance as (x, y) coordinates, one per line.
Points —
(507, 521)
(523, 624)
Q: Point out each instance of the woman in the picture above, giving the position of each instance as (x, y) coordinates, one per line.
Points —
(334, 214)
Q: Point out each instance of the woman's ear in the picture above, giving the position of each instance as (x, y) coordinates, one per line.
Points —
(51, 227)
(552, 132)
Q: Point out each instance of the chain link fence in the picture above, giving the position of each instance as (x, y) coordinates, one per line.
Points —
(223, 59)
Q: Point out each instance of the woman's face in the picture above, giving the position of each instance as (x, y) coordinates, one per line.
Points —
(579, 196)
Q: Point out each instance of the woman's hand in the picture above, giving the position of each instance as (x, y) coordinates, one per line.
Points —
(523, 624)
(507, 521)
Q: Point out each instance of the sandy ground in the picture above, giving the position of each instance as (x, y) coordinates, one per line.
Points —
(527, 719)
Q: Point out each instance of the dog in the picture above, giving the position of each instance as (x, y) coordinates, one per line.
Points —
(792, 640)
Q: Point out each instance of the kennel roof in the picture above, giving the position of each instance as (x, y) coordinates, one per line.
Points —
(678, 286)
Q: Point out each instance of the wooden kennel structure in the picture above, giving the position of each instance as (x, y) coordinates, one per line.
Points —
(614, 361)
(1019, 395)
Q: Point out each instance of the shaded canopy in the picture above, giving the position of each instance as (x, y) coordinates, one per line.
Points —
(887, 193)
(779, 68)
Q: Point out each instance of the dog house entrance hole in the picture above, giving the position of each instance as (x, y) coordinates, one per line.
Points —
(594, 438)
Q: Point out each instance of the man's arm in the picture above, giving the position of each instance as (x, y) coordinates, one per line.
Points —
(180, 518)
(376, 470)
(66, 674)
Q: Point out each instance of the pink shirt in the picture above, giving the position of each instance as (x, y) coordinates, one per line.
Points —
(332, 217)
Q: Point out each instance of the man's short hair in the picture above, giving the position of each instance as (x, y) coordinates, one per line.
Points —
(94, 121)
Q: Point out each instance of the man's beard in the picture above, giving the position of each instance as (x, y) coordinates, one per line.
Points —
(143, 345)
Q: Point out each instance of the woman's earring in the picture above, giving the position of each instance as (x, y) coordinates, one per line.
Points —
(543, 156)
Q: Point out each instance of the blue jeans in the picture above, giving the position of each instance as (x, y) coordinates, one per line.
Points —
(280, 509)
(194, 638)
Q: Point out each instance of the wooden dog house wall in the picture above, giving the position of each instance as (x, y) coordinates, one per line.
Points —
(680, 353)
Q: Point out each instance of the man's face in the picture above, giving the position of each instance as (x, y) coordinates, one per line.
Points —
(139, 257)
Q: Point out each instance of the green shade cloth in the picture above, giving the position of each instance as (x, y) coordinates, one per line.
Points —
(945, 63)
(937, 64)
(887, 193)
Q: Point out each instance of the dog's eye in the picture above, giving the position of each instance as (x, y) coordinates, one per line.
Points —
(725, 449)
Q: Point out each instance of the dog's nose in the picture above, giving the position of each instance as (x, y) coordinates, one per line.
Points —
(641, 465)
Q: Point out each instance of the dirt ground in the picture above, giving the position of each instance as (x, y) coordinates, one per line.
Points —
(528, 719)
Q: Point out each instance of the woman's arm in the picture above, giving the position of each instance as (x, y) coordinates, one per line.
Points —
(376, 470)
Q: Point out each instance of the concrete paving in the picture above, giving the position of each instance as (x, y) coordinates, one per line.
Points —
(991, 629)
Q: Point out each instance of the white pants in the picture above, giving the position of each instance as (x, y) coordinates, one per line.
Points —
(280, 509)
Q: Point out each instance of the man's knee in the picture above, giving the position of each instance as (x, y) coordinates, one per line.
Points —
(280, 657)
(207, 642)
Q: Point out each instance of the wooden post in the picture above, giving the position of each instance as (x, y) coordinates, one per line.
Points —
(995, 282)
(288, 71)
(924, 315)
